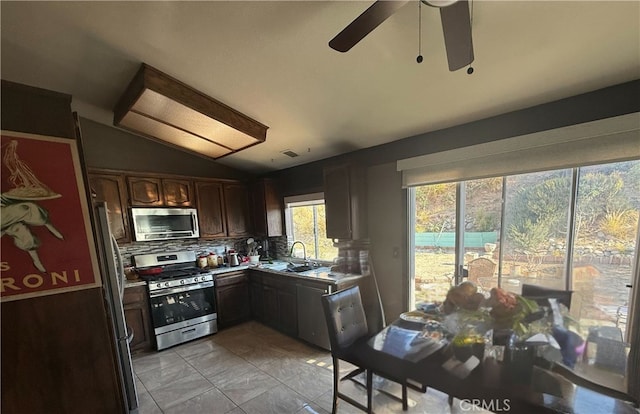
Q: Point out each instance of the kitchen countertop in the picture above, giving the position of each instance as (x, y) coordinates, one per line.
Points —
(133, 283)
(321, 273)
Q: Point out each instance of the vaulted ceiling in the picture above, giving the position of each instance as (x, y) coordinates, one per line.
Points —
(270, 60)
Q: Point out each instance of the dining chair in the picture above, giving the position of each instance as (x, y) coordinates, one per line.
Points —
(541, 295)
(348, 336)
(373, 309)
(611, 351)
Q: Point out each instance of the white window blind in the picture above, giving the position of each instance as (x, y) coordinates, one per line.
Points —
(597, 142)
(304, 200)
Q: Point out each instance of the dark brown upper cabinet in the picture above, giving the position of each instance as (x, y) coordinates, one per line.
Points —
(236, 198)
(224, 208)
(345, 202)
(267, 208)
(111, 188)
(153, 191)
(178, 193)
(145, 191)
(211, 209)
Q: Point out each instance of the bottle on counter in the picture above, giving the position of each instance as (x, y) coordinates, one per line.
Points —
(202, 261)
(212, 260)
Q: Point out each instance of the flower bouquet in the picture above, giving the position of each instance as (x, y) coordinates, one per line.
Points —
(512, 311)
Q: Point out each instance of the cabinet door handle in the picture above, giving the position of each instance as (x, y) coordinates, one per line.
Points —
(188, 330)
(131, 334)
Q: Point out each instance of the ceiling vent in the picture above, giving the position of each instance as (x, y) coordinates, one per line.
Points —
(164, 109)
(290, 153)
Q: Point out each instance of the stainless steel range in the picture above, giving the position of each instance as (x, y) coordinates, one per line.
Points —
(181, 297)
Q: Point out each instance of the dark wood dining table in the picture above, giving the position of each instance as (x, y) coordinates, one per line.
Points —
(491, 385)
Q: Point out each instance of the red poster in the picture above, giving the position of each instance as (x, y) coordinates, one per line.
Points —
(47, 238)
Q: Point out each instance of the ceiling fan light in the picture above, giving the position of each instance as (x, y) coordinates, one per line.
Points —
(439, 3)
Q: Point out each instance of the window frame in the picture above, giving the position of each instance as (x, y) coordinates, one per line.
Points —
(304, 200)
(459, 247)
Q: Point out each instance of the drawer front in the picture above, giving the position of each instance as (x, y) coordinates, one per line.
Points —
(136, 294)
(231, 279)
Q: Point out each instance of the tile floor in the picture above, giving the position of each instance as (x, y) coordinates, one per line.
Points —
(251, 368)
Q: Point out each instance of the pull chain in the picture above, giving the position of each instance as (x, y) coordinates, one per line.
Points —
(419, 58)
(470, 68)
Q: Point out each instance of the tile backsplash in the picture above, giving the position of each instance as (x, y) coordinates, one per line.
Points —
(277, 246)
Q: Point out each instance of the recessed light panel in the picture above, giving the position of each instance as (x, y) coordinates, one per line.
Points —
(160, 107)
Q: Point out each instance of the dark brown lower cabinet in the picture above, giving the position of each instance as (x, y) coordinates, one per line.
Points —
(256, 296)
(270, 303)
(138, 319)
(274, 302)
(311, 323)
(232, 296)
(288, 309)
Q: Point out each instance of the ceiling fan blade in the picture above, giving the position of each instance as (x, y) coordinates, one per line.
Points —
(456, 25)
(371, 18)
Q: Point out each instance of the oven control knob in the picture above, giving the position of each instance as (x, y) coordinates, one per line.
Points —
(203, 278)
(195, 279)
(182, 281)
(166, 284)
(158, 285)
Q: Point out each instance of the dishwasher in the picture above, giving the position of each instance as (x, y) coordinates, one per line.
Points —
(312, 326)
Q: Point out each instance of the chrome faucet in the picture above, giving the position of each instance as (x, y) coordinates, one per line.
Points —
(304, 250)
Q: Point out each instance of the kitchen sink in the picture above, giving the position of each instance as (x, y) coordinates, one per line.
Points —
(299, 268)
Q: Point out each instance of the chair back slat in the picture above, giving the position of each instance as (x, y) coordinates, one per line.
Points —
(542, 294)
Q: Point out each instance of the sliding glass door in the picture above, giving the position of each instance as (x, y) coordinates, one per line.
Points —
(481, 238)
(435, 229)
(536, 220)
(606, 230)
(572, 229)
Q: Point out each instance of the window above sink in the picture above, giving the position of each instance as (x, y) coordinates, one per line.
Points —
(305, 222)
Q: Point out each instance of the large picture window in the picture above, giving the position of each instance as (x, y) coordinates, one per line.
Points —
(557, 209)
(572, 229)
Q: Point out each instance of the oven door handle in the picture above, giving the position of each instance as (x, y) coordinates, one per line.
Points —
(179, 289)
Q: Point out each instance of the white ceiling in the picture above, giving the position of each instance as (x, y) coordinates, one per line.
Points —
(270, 60)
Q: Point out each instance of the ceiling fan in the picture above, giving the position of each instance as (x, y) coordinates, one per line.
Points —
(456, 25)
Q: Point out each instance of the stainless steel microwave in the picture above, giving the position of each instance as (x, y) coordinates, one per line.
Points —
(164, 223)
